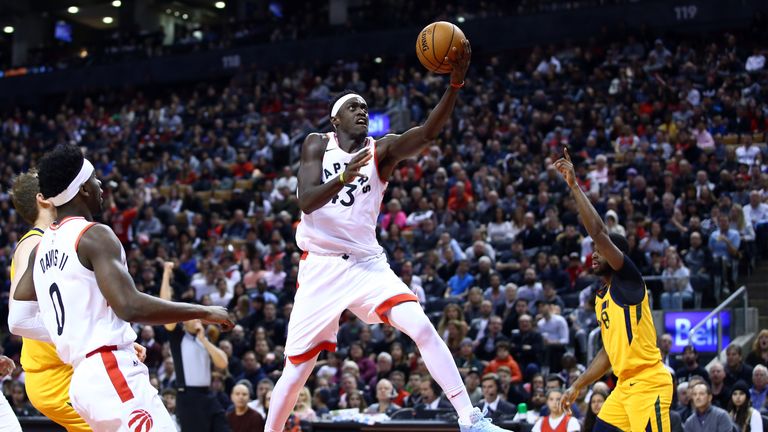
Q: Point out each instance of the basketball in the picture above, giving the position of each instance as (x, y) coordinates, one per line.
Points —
(434, 43)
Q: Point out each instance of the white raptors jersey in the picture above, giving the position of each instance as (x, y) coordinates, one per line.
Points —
(74, 311)
(347, 223)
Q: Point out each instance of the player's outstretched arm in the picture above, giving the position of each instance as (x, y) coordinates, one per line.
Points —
(600, 366)
(313, 193)
(589, 217)
(394, 148)
(100, 250)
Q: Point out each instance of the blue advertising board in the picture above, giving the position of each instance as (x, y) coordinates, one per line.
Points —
(378, 124)
(679, 325)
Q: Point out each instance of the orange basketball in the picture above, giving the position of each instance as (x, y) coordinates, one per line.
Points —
(434, 43)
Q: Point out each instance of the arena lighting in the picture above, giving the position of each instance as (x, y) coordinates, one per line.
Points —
(8, 29)
(185, 16)
(460, 19)
(377, 60)
(177, 13)
(73, 9)
(117, 3)
(220, 5)
(107, 20)
(168, 11)
(83, 53)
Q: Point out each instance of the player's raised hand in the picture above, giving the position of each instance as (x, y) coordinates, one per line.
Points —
(569, 397)
(7, 366)
(460, 62)
(218, 315)
(360, 160)
(565, 167)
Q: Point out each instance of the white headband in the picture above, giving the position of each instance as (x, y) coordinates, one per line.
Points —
(340, 102)
(67, 194)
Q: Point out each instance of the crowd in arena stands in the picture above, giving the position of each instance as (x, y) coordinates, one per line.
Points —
(667, 137)
(287, 20)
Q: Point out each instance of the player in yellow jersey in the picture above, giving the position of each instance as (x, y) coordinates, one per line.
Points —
(46, 376)
(640, 402)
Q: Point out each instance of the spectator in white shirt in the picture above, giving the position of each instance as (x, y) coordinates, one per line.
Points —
(598, 176)
(756, 61)
(677, 289)
(704, 139)
(221, 296)
(747, 152)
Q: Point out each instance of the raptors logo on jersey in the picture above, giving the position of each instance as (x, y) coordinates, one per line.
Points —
(347, 223)
(140, 421)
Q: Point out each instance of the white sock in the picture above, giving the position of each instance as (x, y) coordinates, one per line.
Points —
(410, 319)
(286, 392)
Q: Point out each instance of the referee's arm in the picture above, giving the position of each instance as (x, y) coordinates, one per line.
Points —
(166, 291)
(218, 357)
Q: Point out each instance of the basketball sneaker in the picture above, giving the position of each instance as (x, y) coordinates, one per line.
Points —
(480, 423)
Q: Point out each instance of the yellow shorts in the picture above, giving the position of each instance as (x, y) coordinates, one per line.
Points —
(641, 403)
(48, 390)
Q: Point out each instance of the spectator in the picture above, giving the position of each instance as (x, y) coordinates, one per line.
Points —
(677, 286)
(720, 392)
(169, 400)
(691, 366)
(243, 418)
(707, 417)
(431, 395)
(759, 391)
(303, 410)
(264, 386)
(485, 349)
(556, 415)
(554, 332)
(759, 353)
(527, 344)
(503, 358)
(459, 284)
(757, 213)
(385, 393)
(492, 400)
(596, 401)
(735, 368)
(724, 244)
(744, 416)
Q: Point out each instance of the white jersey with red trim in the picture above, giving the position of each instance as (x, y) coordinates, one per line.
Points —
(347, 223)
(72, 307)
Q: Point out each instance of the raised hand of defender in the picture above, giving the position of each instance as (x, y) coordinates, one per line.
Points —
(460, 63)
(218, 315)
(569, 397)
(565, 167)
(352, 171)
(6, 366)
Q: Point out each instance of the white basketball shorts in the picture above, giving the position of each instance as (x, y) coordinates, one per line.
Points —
(110, 389)
(8, 420)
(329, 284)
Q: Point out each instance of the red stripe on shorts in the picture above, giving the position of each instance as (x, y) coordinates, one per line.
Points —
(391, 302)
(301, 358)
(116, 376)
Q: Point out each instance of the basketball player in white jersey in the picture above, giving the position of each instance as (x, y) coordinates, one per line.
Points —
(87, 299)
(343, 266)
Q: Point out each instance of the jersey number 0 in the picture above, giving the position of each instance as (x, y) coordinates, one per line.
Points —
(57, 308)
